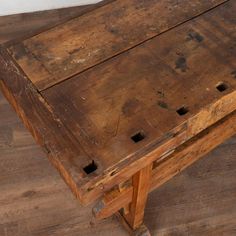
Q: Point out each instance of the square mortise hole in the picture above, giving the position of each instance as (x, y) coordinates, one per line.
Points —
(182, 111)
(138, 137)
(90, 168)
(222, 87)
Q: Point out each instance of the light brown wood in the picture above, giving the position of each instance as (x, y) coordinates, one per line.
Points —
(95, 37)
(141, 91)
(35, 200)
(25, 194)
(191, 151)
(141, 184)
(172, 164)
(104, 117)
(33, 109)
(122, 187)
(112, 202)
(127, 112)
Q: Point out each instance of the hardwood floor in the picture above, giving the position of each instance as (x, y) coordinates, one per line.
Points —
(19, 26)
(35, 201)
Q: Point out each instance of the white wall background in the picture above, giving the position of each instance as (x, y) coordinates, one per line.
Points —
(9, 7)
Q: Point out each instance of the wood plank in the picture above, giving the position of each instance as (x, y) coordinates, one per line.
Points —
(207, 103)
(141, 183)
(28, 185)
(69, 49)
(15, 28)
(112, 202)
(193, 150)
(35, 199)
(173, 164)
(57, 142)
(141, 92)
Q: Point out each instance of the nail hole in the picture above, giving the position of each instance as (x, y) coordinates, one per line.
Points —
(138, 137)
(90, 168)
(182, 111)
(222, 87)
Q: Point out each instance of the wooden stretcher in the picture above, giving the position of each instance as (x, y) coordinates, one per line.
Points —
(127, 95)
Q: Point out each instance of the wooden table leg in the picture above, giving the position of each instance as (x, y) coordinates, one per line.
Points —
(132, 194)
(141, 185)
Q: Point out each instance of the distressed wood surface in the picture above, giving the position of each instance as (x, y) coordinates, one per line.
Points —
(36, 202)
(28, 185)
(171, 165)
(141, 92)
(112, 202)
(110, 121)
(97, 36)
(57, 141)
(15, 28)
(191, 151)
(141, 182)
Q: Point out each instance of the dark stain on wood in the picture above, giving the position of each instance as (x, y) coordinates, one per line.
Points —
(74, 50)
(130, 107)
(195, 36)
(181, 64)
(113, 30)
(233, 73)
(161, 94)
(124, 86)
(59, 215)
(102, 35)
(21, 52)
(29, 194)
(163, 105)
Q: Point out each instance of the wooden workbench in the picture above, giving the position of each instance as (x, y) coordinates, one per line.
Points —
(123, 98)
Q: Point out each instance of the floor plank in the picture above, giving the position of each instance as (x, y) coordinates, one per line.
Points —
(15, 27)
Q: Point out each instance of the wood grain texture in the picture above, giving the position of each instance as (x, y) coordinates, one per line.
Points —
(36, 202)
(172, 164)
(15, 28)
(193, 150)
(141, 183)
(57, 142)
(187, 205)
(95, 127)
(112, 202)
(95, 37)
(141, 91)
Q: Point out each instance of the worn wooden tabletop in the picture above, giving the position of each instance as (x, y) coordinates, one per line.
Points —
(36, 202)
(121, 86)
(201, 185)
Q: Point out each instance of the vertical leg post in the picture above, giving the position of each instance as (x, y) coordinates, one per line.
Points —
(141, 185)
